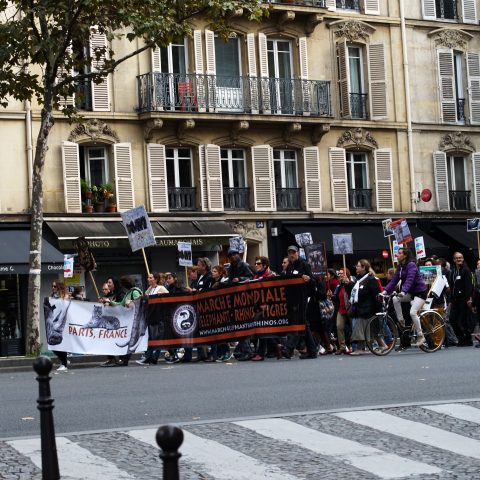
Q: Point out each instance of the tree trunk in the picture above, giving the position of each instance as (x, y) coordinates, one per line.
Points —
(33, 345)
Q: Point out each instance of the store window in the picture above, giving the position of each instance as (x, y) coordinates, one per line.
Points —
(11, 328)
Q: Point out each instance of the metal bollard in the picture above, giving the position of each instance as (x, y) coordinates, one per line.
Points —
(169, 439)
(43, 366)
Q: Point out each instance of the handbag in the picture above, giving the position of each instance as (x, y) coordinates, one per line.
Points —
(326, 309)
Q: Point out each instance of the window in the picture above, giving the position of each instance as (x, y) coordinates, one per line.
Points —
(233, 168)
(94, 167)
(179, 167)
(279, 55)
(348, 5)
(173, 58)
(227, 60)
(463, 10)
(359, 193)
(446, 9)
(285, 168)
(456, 172)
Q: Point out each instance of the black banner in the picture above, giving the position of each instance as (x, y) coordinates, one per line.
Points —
(273, 307)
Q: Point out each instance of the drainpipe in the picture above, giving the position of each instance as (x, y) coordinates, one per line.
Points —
(406, 80)
(29, 148)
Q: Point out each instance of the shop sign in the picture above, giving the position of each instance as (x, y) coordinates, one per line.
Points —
(173, 242)
(24, 268)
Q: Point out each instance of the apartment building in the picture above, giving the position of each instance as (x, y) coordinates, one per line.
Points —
(328, 117)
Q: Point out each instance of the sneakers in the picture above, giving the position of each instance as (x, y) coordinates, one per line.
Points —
(257, 358)
(109, 363)
(420, 340)
(172, 359)
(62, 368)
(146, 361)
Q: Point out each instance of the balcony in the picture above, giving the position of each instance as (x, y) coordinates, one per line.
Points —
(236, 198)
(360, 199)
(459, 199)
(358, 105)
(166, 92)
(446, 9)
(348, 5)
(461, 110)
(181, 198)
(301, 3)
(288, 198)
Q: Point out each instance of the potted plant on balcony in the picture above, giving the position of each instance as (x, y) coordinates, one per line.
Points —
(109, 197)
(98, 200)
(86, 188)
(87, 207)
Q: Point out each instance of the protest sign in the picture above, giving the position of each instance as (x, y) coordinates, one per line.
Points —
(237, 243)
(387, 227)
(401, 230)
(68, 261)
(317, 258)
(303, 239)
(395, 248)
(185, 254)
(420, 248)
(430, 273)
(342, 243)
(473, 224)
(138, 227)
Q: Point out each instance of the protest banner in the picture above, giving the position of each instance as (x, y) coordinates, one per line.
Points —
(342, 245)
(68, 261)
(185, 254)
(420, 248)
(401, 231)
(303, 239)
(395, 248)
(273, 307)
(316, 256)
(92, 328)
(387, 227)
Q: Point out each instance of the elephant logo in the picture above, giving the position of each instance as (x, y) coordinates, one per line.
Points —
(184, 320)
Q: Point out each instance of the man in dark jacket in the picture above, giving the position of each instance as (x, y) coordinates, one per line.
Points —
(239, 271)
(460, 281)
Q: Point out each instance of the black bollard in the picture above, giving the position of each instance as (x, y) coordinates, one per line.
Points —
(169, 439)
(43, 366)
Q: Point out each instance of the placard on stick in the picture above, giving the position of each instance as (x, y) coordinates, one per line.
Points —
(342, 243)
(185, 258)
(316, 256)
(138, 227)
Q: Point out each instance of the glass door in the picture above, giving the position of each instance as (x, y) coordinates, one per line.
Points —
(179, 90)
(280, 72)
(229, 93)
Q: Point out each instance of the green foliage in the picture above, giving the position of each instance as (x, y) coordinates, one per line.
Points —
(85, 185)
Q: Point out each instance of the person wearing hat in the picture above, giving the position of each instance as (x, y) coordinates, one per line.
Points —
(299, 267)
(239, 271)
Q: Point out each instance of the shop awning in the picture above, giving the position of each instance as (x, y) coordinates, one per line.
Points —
(367, 237)
(112, 234)
(15, 256)
(457, 232)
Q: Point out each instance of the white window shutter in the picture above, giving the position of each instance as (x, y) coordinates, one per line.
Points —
(100, 91)
(264, 81)
(199, 71)
(71, 177)
(331, 5)
(384, 180)
(69, 100)
(441, 180)
(338, 176)
(202, 168)
(377, 81)
(157, 177)
(476, 179)
(343, 78)
(372, 7)
(473, 73)
(303, 56)
(252, 72)
(156, 59)
(213, 168)
(263, 178)
(210, 52)
(313, 189)
(447, 86)
(428, 10)
(122, 153)
(469, 11)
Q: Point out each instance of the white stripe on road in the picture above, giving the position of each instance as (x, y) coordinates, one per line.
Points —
(457, 410)
(369, 459)
(416, 431)
(218, 460)
(74, 461)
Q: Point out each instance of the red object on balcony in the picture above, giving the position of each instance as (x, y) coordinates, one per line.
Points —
(186, 96)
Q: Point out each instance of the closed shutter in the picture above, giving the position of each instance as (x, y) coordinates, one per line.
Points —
(100, 91)
(263, 178)
(71, 177)
(157, 177)
(202, 168)
(264, 80)
(156, 59)
(469, 11)
(122, 153)
(306, 94)
(428, 10)
(313, 189)
(384, 180)
(338, 176)
(331, 5)
(211, 67)
(343, 78)
(69, 100)
(372, 7)
(377, 81)
(252, 72)
(441, 180)
(476, 179)
(473, 73)
(213, 168)
(447, 86)
(200, 80)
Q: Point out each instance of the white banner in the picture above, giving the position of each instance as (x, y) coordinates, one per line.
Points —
(185, 254)
(420, 248)
(138, 227)
(87, 327)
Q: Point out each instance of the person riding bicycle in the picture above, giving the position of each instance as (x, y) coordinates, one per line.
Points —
(412, 289)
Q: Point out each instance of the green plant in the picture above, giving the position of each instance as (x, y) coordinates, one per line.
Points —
(97, 194)
(85, 185)
(106, 190)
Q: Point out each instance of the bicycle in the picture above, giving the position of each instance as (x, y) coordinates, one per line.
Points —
(381, 331)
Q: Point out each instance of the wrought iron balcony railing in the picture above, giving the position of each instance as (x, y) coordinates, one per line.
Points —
(348, 5)
(360, 199)
(446, 9)
(181, 198)
(306, 3)
(461, 110)
(459, 199)
(288, 198)
(236, 198)
(358, 105)
(210, 93)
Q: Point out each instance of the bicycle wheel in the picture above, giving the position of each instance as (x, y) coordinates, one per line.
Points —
(380, 334)
(433, 328)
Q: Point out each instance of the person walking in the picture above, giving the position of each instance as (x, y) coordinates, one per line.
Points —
(59, 290)
(341, 296)
(239, 271)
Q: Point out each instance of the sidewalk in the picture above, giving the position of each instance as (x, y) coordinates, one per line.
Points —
(25, 364)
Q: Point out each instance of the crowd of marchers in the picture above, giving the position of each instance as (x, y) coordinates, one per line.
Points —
(338, 307)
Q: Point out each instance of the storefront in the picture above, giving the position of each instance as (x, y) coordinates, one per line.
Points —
(14, 268)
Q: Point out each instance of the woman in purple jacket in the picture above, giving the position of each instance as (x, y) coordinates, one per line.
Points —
(412, 289)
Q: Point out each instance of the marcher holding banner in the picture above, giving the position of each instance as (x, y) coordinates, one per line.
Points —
(59, 290)
(239, 271)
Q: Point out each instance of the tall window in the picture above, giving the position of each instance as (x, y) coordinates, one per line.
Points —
(173, 58)
(458, 63)
(179, 167)
(233, 167)
(357, 96)
(357, 171)
(446, 9)
(95, 164)
(285, 167)
(348, 5)
(456, 170)
(227, 60)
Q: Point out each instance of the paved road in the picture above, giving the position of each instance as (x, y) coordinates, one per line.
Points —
(440, 441)
(126, 397)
